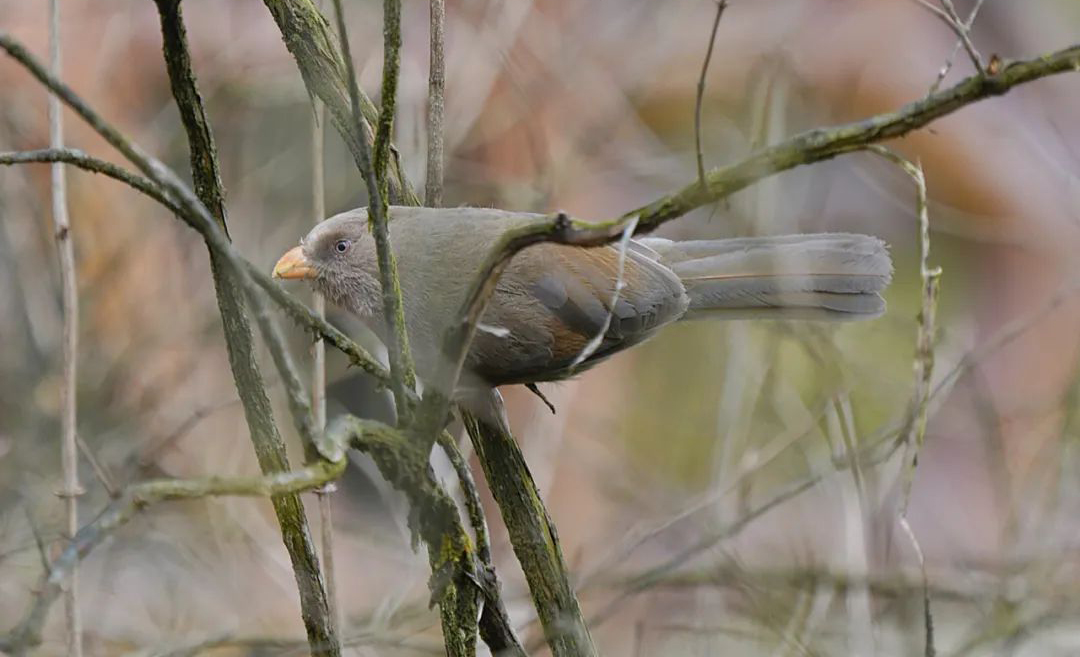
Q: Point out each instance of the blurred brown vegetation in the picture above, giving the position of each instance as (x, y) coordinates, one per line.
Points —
(587, 106)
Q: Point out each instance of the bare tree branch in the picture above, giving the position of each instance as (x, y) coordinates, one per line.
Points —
(98, 467)
(267, 441)
(532, 534)
(495, 627)
(318, 365)
(924, 368)
(138, 497)
(949, 16)
(403, 377)
(65, 248)
(433, 185)
(956, 49)
(720, 7)
(307, 36)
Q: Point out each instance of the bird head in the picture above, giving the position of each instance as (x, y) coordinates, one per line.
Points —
(338, 258)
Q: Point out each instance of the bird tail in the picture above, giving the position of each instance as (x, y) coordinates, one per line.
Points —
(828, 276)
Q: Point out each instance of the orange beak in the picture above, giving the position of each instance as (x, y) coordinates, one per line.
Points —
(294, 265)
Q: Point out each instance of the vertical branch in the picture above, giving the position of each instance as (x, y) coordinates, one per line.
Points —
(318, 367)
(308, 37)
(318, 213)
(495, 627)
(384, 129)
(401, 369)
(433, 187)
(720, 7)
(532, 533)
(69, 285)
(924, 368)
(268, 444)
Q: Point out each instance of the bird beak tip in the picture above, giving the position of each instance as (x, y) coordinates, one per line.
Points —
(293, 265)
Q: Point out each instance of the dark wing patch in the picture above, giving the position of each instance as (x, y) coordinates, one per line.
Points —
(569, 292)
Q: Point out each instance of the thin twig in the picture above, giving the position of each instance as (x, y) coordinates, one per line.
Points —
(83, 161)
(965, 34)
(949, 16)
(924, 368)
(137, 497)
(403, 377)
(318, 367)
(69, 456)
(956, 48)
(433, 186)
(98, 467)
(297, 397)
(720, 7)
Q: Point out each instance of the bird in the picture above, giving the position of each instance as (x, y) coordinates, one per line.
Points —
(559, 309)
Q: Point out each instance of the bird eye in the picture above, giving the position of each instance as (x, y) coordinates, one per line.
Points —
(341, 246)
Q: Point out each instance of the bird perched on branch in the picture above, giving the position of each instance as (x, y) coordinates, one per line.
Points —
(555, 310)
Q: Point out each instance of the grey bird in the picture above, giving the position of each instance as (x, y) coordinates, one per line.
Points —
(555, 303)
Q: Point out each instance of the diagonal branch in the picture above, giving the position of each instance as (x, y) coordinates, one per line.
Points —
(307, 36)
(267, 441)
(138, 497)
(826, 143)
(434, 519)
(532, 533)
(495, 627)
(296, 309)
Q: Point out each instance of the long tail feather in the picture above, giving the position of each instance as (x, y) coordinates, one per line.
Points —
(822, 276)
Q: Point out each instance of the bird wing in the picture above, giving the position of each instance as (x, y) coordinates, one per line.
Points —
(553, 300)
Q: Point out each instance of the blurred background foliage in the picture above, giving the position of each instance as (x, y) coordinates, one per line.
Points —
(586, 106)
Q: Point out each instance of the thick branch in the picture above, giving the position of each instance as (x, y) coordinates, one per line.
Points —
(307, 36)
(434, 519)
(268, 444)
(533, 536)
(495, 627)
